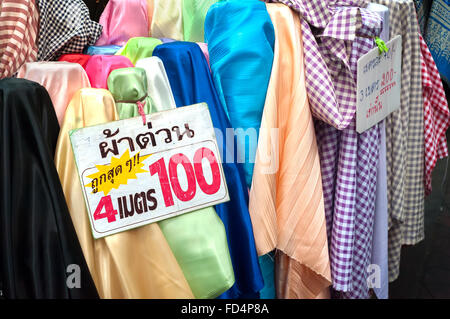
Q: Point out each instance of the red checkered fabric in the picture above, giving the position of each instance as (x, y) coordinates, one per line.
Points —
(436, 114)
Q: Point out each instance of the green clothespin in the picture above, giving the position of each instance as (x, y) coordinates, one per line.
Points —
(381, 45)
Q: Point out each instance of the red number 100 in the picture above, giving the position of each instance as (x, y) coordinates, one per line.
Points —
(194, 175)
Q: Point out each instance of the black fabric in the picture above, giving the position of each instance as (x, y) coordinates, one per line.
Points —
(96, 8)
(37, 238)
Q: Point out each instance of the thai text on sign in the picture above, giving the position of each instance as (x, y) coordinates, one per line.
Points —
(133, 174)
(378, 84)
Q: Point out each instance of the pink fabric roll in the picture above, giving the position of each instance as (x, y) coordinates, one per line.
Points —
(61, 79)
(122, 20)
(204, 48)
(99, 67)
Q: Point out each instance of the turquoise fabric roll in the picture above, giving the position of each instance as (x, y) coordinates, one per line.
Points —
(240, 38)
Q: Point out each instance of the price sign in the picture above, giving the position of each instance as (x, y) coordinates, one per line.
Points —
(378, 84)
(134, 174)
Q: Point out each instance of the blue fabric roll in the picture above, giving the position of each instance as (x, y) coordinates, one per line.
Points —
(191, 82)
(267, 263)
(102, 50)
(240, 38)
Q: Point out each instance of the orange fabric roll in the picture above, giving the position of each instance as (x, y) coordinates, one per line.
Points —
(286, 197)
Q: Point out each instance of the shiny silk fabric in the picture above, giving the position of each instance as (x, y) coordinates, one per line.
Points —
(100, 66)
(286, 198)
(38, 240)
(191, 82)
(158, 86)
(139, 48)
(122, 20)
(167, 19)
(137, 263)
(61, 79)
(240, 39)
(197, 239)
(194, 13)
(102, 49)
(128, 86)
(81, 59)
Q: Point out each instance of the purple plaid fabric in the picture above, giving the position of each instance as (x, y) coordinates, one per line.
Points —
(335, 35)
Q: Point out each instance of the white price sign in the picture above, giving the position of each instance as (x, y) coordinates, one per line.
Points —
(378, 84)
(134, 174)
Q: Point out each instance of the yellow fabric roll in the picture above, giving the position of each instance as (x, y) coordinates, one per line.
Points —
(167, 19)
(286, 197)
(137, 263)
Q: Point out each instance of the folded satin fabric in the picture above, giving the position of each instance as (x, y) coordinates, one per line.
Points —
(158, 86)
(167, 40)
(137, 263)
(194, 13)
(139, 48)
(150, 9)
(123, 20)
(240, 39)
(191, 82)
(64, 27)
(204, 48)
(128, 87)
(61, 79)
(197, 239)
(37, 239)
(100, 66)
(167, 20)
(286, 198)
(19, 20)
(81, 59)
(102, 49)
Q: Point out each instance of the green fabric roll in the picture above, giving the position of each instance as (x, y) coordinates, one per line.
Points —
(198, 239)
(194, 13)
(139, 48)
(128, 86)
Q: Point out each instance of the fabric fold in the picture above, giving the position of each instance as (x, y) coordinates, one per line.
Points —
(197, 239)
(286, 199)
(139, 48)
(61, 79)
(100, 66)
(191, 82)
(137, 263)
(240, 39)
(64, 27)
(167, 19)
(158, 86)
(39, 248)
(123, 20)
(20, 21)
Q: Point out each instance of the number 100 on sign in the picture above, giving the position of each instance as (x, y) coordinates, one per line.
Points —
(170, 183)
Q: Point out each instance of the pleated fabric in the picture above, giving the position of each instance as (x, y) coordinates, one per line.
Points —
(139, 48)
(194, 13)
(167, 20)
(102, 49)
(137, 263)
(39, 248)
(61, 79)
(100, 66)
(158, 86)
(286, 198)
(123, 20)
(19, 20)
(191, 82)
(240, 39)
(197, 239)
(81, 59)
